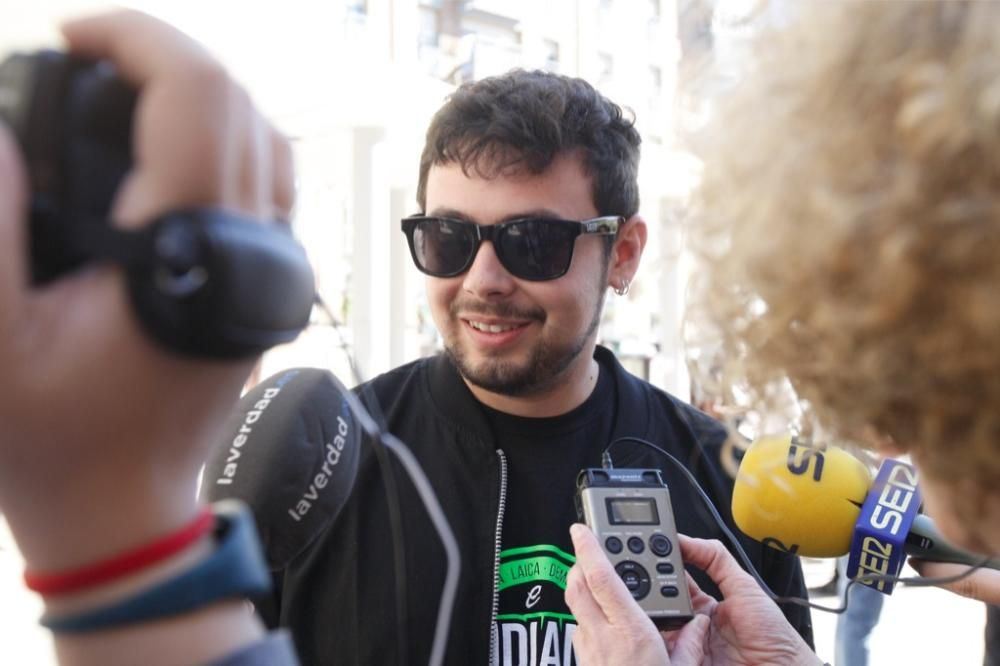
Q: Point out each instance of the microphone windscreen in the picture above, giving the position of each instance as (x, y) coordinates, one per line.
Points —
(291, 453)
(799, 498)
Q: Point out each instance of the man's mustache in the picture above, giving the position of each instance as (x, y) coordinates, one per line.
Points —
(497, 310)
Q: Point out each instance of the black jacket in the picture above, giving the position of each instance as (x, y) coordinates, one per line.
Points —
(338, 596)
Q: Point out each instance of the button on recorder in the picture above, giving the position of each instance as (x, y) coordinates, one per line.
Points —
(631, 507)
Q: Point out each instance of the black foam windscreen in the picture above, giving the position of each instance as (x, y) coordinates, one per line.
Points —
(291, 453)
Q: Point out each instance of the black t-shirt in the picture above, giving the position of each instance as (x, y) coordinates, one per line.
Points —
(544, 455)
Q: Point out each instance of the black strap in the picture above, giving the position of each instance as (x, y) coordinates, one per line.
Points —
(101, 241)
(207, 282)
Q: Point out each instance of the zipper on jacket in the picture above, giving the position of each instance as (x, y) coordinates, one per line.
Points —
(497, 541)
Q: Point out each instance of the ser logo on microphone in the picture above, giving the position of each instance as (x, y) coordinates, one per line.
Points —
(879, 536)
(799, 496)
(803, 455)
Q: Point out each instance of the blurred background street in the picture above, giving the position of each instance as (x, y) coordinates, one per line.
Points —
(354, 83)
(917, 625)
(357, 132)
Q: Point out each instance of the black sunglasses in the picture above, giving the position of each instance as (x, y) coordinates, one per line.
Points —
(530, 248)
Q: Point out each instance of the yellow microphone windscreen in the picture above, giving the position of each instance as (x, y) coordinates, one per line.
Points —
(800, 498)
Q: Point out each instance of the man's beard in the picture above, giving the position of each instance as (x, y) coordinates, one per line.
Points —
(541, 370)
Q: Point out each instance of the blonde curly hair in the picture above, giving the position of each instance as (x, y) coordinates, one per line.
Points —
(849, 219)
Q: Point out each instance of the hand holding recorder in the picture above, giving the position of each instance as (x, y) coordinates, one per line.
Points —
(745, 627)
(629, 581)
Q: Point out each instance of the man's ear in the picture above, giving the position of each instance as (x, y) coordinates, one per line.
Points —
(627, 252)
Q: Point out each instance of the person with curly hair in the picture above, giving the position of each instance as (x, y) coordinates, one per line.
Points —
(850, 215)
(849, 225)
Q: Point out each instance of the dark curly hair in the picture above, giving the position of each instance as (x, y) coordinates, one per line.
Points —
(522, 120)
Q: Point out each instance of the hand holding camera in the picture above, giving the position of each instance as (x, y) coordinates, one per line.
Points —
(203, 281)
(103, 425)
(92, 408)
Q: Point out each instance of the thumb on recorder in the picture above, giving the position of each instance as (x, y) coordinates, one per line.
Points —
(744, 627)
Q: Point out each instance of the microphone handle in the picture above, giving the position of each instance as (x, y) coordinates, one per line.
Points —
(926, 543)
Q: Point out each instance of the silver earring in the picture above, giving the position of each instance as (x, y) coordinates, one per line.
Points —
(622, 289)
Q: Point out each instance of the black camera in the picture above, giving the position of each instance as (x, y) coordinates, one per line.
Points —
(73, 121)
(203, 282)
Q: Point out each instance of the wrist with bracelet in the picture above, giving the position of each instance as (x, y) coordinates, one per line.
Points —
(231, 568)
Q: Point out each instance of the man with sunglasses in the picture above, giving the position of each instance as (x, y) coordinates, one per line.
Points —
(529, 211)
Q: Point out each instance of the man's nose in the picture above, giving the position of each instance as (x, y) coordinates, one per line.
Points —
(487, 276)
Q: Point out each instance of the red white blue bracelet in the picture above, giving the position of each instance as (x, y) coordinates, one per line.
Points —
(235, 569)
(51, 584)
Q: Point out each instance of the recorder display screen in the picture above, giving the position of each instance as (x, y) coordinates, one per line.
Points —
(633, 511)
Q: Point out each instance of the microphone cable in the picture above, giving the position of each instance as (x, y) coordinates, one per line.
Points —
(389, 484)
(382, 440)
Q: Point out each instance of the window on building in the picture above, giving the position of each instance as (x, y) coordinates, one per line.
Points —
(355, 15)
(429, 30)
(655, 81)
(694, 26)
(606, 69)
(654, 98)
(551, 55)
(357, 7)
